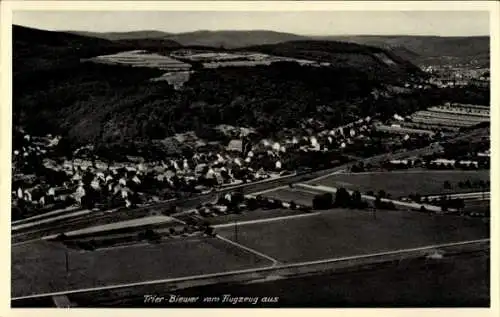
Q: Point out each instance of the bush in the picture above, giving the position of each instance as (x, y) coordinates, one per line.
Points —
(61, 237)
(252, 204)
(210, 231)
(323, 201)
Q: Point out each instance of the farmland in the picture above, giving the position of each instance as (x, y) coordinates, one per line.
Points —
(415, 283)
(477, 206)
(402, 184)
(341, 233)
(142, 59)
(214, 59)
(40, 267)
(300, 196)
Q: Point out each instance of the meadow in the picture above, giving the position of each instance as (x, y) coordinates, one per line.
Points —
(339, 233)
(404, 183)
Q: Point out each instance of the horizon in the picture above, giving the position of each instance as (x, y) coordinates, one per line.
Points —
(316, 23)
(250, 30)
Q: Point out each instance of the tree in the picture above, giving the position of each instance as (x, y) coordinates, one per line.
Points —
(468, 184)
(342, 198)
(419, 198)
(151, 235)
(382, 193)
(444, 203)
(447, 184)
(209, 230)
(170, 210)
(62, 237)
(252, 204)
(356, 200)
(323, 201)
(460, 204)
(482, 184)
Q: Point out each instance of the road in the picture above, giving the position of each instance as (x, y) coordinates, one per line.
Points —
(474, 195)
(264, 220)
(262, 255)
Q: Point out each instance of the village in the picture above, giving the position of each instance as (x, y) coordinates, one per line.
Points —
(42, 182)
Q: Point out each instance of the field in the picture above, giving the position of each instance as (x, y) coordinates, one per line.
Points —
(404, 183)
(143, 59)
(342, 233)
(40, 267)
(477, 206)
(458, 281)
(298, 195)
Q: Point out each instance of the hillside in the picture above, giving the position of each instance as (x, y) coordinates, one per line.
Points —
(106, 104)
(217, 39)
(375, 61)
(424, 48)
(417, 49)
(233, 39)
(35, 49)
(151, 44)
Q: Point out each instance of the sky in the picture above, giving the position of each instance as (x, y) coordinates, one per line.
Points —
(441, 23)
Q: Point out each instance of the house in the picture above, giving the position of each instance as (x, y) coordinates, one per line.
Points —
(278, 165)
(235, 145)
(237, 161)
(397, 162)
(276, 146)
(398, 117)
(443, 162)
(484, 154)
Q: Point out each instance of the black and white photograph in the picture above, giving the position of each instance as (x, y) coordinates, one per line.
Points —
(263, 158)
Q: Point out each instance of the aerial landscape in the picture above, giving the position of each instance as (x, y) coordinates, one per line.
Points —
(240, 166)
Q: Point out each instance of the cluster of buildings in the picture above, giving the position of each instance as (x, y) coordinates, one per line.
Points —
(88, 181)
(450, 117)
(458, 76)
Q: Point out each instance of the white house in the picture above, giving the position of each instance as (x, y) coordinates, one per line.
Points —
(276, 146)
(278, 165)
